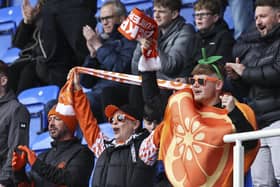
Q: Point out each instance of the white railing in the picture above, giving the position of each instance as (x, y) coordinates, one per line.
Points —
(238, 150)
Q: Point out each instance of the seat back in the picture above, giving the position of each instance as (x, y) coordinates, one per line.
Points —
(9, 20)
(36, 100)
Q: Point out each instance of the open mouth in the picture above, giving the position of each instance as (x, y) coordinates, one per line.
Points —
(197, 92)
(116, 130)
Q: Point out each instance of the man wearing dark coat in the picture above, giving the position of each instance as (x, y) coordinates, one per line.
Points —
(255, 74)
(51, 41)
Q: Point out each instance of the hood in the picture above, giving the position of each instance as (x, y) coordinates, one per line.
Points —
(6, 98)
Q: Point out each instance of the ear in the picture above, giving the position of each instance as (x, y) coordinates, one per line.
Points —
(4, 80)
(122, 18)
(219, 85)
(216, 17)
(136, 125)
(175, 14)
(278, 16)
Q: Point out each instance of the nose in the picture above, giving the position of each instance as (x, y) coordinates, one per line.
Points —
(258, 21)
(104, 22)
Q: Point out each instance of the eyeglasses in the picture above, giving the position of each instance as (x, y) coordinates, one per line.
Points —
(201, 81)
(120, 118)
(101, 19)
(202, 15)
(54, 118)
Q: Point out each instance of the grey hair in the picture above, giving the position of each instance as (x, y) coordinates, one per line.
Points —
(120, 9)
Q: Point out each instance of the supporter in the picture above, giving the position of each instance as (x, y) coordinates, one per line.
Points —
(118, 163)
(66, 163)
(176, 46)
(186, 117)
(14, 127)
(51, 41)
(213, 32)
(109, 51)
(255, 74)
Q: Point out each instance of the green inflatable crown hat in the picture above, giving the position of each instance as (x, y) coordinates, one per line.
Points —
(211, 60)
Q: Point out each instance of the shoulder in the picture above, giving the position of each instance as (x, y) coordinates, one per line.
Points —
(188, 28)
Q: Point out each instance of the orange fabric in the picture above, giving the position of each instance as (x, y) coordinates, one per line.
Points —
(250, 116)
(70, 120)
(157, 134)
(191, 144)
(138, 25)
(31, 156)
(18, 161)
(65, 103)
(87, 121)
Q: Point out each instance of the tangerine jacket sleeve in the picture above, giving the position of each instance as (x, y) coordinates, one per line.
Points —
(88, 123)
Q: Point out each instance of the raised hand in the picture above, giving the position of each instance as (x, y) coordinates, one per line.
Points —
(18, 161)
(29, 12)
(31, 156)
(76, 79)
(228, 102)
(92, 38)
(234, 70)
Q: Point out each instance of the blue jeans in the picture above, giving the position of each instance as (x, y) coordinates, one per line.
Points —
(242, 12)
(266, 167)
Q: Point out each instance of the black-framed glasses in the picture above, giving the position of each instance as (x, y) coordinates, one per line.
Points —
(201, 81)
(202, 15)
(101, 19)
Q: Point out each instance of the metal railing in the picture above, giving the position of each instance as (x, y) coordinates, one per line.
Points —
(238, 150)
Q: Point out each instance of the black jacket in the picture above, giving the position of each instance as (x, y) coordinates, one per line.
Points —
(121, 167)
(259, 82)
(14, 131)
(55, 41)
(217, 41)
(67, 163)
(115, 55)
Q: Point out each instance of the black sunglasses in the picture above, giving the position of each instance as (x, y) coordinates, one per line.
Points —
(201, 81)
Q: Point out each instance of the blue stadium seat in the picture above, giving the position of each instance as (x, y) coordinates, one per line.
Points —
(36, 100)
(106, 128)
(10, 55)
(9, 19)
(187, 13)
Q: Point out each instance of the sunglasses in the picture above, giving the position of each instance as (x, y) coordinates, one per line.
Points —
(201, 81)
(120, 118)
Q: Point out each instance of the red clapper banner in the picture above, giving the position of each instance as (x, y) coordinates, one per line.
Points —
(137, 26)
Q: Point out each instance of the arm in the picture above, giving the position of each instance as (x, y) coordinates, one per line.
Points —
(116, 55)
(149, 147)
(151, 94)
(264, 75)
(23, 35)
(88, 123)
(18, 135)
